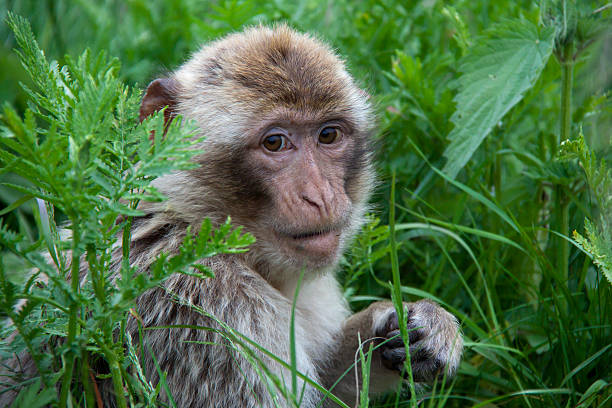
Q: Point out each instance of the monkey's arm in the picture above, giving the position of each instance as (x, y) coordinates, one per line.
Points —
(435, 347)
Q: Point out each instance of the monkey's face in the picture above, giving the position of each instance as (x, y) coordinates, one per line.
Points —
(303, 169)
(287, 149)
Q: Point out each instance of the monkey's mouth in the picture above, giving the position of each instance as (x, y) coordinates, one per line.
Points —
(317, 243)
(311, 234)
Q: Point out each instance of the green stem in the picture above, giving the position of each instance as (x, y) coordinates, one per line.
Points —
(567, 65)
(396, 292)
(115, 370)
(494, 220)
(74, 311)
(87, 389)
(562, 212)
(562, 203)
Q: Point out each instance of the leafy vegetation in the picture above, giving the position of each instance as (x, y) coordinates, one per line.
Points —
(496, 196)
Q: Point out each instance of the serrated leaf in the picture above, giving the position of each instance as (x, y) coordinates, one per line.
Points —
(496, 74)
(597, 245)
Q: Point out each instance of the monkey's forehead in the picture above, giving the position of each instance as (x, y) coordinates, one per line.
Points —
(267, 67)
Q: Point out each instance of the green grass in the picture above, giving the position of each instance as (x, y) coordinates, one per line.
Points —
(483, 206)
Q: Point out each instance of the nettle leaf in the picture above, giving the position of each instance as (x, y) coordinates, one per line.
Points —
(496, 74)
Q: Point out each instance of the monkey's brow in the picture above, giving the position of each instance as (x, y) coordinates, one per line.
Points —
(289, 120)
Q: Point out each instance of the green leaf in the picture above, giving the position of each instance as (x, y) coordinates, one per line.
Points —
(33, 397)
(596, 244)
(542, 391)
(479, 197)
(16, 204)
(496, 74)
(597, 241)
(588, 398)
(585, 364)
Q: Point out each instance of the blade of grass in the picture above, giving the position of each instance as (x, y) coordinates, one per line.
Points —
(396, 292)
(16, 204)
(584, 364)
(366, 360)
(162, 378)
(464, 245)
(472, 193)
(292, 342)
(524, 393)
(462, 228)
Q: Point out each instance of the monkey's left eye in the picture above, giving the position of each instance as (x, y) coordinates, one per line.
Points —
(274, 143)
(329, 135)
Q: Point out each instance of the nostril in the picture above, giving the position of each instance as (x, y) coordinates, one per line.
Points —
(311, 202)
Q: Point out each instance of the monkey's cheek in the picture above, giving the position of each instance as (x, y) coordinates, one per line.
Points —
(321, 246)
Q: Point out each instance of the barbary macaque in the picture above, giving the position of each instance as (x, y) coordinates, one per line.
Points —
(288, 155)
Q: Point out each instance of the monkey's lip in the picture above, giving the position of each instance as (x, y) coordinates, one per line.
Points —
(317, 242)
(305, 235)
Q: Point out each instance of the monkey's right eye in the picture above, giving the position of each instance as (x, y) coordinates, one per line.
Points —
(274, 143)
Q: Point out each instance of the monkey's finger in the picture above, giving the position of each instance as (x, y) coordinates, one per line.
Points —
(417, 331)
(395, 339)
(392, 323)
(393, 358)
(415, 334)
(418, 353)
(428, 370)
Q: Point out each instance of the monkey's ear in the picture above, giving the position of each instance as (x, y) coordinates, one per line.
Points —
(160, 93)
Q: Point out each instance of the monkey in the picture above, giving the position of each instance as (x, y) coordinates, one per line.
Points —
(287, 154)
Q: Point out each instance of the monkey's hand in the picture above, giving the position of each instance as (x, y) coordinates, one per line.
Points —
(434, 337)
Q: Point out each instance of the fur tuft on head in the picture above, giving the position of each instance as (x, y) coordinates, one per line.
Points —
(264, 71)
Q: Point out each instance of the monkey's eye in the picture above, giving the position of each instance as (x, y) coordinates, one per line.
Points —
(329, 135)
(274, 143)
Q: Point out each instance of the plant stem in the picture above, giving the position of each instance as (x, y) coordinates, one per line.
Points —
(85, 378)
(565, 58)
(74, 309)
(562, 203)
(562, 210)
(115, 370)
(396, 292)
(567, 65)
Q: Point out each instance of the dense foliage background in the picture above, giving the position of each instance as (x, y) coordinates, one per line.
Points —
(495, 121)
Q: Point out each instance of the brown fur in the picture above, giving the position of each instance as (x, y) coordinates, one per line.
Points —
(238, 89)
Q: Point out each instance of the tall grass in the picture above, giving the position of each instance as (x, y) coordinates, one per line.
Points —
(496, 195)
